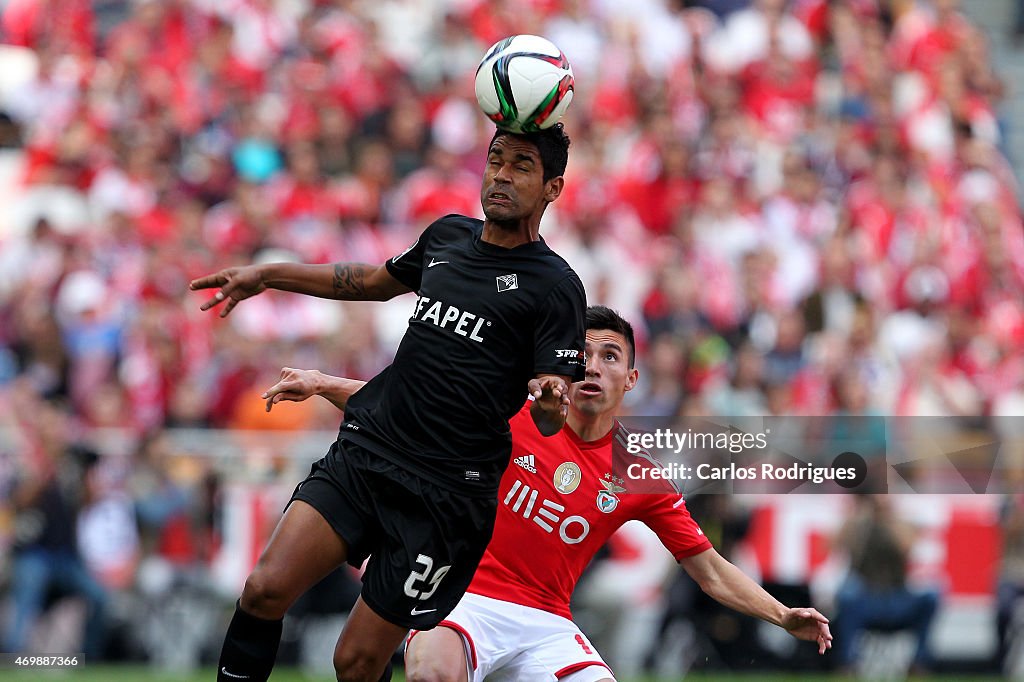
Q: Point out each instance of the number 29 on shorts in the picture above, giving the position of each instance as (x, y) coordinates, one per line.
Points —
(418, 581)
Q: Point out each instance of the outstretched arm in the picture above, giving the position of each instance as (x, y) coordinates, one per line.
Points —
(298, 384)
(343, 281)
(730, 586)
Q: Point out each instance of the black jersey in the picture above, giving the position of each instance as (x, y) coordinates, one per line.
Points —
(487, 320)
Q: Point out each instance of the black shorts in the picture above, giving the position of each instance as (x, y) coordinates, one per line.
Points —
(424, 542)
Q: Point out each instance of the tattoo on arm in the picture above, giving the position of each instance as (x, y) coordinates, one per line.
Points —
(348, 281)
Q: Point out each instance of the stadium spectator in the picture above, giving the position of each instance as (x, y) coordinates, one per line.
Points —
(875, 594)
(47, 498)
(106, 527)
(1018, 24)
(743, 393)
(1010, 589)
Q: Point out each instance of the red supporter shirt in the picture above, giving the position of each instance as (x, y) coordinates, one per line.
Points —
(545, 535)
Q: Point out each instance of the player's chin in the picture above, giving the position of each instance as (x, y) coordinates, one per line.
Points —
(502, 213)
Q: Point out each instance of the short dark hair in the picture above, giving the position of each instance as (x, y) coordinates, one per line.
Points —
(603, 317)
(552, 144)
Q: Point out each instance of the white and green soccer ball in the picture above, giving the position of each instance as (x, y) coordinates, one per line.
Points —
(524, 83)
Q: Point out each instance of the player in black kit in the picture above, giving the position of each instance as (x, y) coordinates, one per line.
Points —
(406, 484)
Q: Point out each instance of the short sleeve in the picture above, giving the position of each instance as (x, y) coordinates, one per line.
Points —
(668, 517)
(560, 331)
(407, 267)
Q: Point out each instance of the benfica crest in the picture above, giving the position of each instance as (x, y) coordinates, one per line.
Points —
(607, 499)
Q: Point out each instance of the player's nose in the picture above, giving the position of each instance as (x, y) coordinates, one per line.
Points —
(504, 173)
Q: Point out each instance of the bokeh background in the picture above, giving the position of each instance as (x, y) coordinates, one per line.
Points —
(805, 208)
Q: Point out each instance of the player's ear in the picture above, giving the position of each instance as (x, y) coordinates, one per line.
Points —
(553, 188)
(631, 378)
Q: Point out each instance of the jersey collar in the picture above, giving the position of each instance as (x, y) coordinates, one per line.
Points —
(601, 442)
(494, 250)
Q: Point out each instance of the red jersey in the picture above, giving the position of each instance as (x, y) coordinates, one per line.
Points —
(558, 502)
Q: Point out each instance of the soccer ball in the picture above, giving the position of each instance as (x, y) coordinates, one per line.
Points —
(524, 84)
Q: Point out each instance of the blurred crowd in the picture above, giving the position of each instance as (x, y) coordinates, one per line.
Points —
(804, 206)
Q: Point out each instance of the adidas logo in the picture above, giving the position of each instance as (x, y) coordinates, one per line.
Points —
(527, 462)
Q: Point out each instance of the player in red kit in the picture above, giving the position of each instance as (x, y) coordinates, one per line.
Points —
(559, 501)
